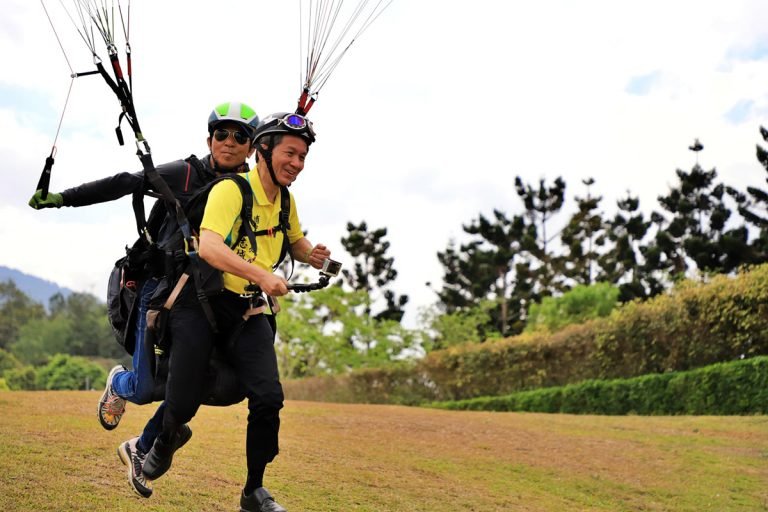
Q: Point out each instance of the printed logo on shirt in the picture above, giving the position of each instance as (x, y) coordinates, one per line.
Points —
(243, 248)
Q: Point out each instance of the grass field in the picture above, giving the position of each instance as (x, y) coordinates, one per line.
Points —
(55, 456)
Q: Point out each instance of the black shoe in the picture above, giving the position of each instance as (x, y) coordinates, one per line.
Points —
(160, 456)
(259, 501)
(184, 434)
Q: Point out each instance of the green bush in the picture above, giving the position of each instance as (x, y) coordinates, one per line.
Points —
(23, 378)
(739, 387)
(692, 326)
(578, 305)
(8, 361)
(458, 327)
(70, 372)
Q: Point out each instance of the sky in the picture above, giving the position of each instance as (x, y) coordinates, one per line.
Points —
(422, 127)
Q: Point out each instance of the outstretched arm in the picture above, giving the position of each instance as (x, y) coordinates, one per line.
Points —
(103, 190)
(93, 192)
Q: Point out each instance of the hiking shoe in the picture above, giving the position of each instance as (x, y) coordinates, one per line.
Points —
(133, 457)
(111, 406)
(259, 501)
(160, 456)
(184, 434)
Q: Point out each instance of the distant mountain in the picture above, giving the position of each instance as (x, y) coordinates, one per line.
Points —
(35, 288)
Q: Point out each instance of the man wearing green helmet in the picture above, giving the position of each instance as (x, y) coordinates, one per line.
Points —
(282, 141)
(230, 131)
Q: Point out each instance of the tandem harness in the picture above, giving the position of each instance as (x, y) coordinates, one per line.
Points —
(208, 280)
(145, 259)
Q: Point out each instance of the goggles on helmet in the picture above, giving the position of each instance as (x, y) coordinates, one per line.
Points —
(285, 123)
(296, 122)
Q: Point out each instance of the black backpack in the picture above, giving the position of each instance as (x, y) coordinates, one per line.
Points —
(143, 259)
(182, 251)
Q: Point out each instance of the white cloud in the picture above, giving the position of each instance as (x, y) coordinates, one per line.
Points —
(424, 125)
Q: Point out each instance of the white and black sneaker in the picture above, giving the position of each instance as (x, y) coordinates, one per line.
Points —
(133, 457)
(111, 406)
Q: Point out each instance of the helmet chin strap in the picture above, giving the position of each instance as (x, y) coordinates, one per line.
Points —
(267, 155)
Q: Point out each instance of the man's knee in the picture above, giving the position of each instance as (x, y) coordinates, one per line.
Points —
(266, 402)
(182, 411)
(144, 394)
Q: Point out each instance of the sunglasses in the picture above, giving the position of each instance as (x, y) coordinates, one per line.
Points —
(220, 134)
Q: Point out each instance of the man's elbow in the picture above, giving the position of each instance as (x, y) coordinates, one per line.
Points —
(207, 246)
(204, 251)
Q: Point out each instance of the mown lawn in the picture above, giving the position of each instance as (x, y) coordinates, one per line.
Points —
(55, 456)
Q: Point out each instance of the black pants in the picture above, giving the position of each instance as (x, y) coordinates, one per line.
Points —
(249, 346)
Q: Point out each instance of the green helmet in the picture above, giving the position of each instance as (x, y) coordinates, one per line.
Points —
(234, 111)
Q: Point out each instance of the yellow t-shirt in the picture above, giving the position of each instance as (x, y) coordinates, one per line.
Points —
(222, 215)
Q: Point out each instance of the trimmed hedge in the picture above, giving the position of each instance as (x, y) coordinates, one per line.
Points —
(692, 326)
(739, 387)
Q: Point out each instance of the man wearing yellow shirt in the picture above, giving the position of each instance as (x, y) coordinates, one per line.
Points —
(282, 141)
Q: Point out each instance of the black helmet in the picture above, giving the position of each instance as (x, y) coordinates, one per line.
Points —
(285, 123)
(240, 113)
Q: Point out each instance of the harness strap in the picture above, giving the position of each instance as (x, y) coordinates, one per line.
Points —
(194, 258)
(246, 212)
(161, 186)
(176, 291)
(246, 217)
(254, 311)
(283, 226)
(198, 165)
(285, 211)
(270, 231)
(274, 305)
(137, 201)
(194, 268)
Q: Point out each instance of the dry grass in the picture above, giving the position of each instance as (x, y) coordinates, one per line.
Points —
(55, 456)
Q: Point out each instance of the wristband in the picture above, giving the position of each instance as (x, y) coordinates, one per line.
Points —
(309, 253)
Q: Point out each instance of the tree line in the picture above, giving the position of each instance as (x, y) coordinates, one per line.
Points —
(702, 226)
(47, 349)
(500, 280)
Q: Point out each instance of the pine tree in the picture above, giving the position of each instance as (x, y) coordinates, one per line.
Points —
(460, 289)
(540, 206)
(621, 264)
(582, 237)
(506, 240)
(697, 230)
(373, 270)
(753, 207)
(506, 261)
